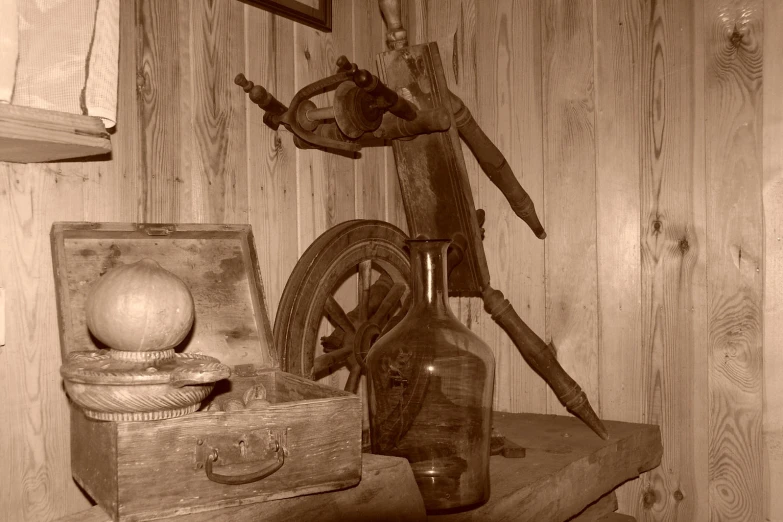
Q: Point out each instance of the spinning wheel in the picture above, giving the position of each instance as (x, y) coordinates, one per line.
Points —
(374, 252)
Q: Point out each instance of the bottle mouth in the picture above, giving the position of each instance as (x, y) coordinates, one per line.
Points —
(425, 240)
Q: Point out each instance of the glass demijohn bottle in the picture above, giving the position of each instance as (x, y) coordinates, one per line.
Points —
(430, 382)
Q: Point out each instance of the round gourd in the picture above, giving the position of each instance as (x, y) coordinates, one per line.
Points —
(140, 307)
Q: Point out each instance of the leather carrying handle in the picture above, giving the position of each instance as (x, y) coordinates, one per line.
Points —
(235, 480)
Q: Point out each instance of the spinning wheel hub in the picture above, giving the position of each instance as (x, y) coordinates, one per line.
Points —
(369, 253)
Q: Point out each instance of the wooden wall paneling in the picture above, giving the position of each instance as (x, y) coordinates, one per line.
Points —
(219, 177)
(772, 270)
(733, 140)
(508, 74)
(618, 113)
(325, 181)
(326, 190)
(160, 69)
(673, 258)
(187, 180)
(369, 38)
(618, 75)
(271, 155)
(569, 192)
(36, 480)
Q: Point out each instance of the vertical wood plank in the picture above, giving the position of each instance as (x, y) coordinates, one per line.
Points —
(35, 482)
(186, 179)
(673, 258)
(619, 113)
(325, 181)
(508, 74)
(734, 251)
(773, 260)
(157, 40)
(271, 155)
(218, 118)
(370, 169)
(569, 192)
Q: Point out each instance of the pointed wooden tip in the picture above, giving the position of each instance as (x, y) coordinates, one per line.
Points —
(587, 415)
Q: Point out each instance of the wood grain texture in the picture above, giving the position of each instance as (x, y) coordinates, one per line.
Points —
(569, 192)
(271, 155)
(733, 98)
(325, 182)
(29, 135)
(316, 460)
(772, 270)
(35, 481)
(605, 505)
(158, 86)
(370, 169)
(217, 125)
(509, 107)
(566, 467)
(648, 78)
(618, 75)
(673, 258)
(215, 263)
(372, 499)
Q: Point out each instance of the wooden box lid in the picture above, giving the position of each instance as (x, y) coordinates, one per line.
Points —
(217, 262)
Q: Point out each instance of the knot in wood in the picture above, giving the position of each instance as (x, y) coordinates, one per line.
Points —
(736, 38)
(649, 498)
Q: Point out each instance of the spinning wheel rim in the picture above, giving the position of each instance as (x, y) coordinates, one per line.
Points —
(328, 260)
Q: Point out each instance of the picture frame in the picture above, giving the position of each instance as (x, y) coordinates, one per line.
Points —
(312, 13)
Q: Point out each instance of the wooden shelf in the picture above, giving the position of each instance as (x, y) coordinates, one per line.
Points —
(29, 135)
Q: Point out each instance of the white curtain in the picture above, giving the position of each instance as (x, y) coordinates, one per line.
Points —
(67, 56)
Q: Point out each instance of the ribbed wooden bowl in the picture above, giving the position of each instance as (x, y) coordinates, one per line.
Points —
(109, 386)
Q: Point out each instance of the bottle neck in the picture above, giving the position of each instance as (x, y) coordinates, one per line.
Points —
(429, 284)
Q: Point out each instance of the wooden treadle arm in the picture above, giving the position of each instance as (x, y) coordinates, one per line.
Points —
(542, 359)
(495, 166)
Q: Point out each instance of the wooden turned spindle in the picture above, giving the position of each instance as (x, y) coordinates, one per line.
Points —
(396, 35)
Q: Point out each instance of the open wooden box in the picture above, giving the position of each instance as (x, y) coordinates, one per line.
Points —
(148, 470)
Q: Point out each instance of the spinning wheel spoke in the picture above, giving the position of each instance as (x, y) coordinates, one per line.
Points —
(391, 299)
(333, 360)
(354, 378)
(376, 293)
(337, 315)
(365, 280)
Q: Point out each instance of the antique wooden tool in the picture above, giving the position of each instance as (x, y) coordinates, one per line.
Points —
(409, 106)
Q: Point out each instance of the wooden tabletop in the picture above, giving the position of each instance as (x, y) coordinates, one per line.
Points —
(567, 467)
